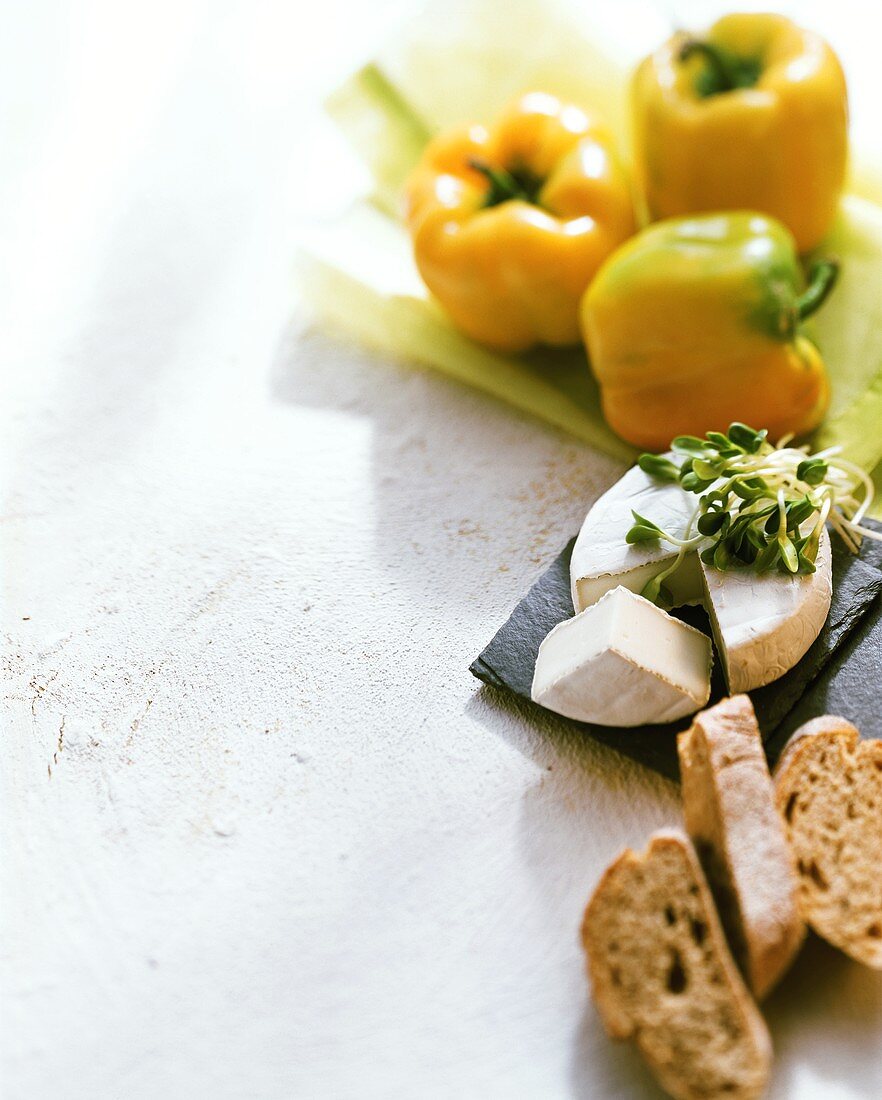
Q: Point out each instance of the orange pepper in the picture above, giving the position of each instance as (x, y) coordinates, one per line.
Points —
(698, 322)
(751, 116)
(510, 223)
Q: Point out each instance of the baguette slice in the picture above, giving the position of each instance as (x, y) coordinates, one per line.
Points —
(661, 973)
(829, 792)
(729, 807)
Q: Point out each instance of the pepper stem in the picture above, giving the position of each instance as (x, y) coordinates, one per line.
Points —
(724, 73)
(503, 185)
(821, 280)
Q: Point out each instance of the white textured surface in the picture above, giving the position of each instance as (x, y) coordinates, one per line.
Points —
(262, 834)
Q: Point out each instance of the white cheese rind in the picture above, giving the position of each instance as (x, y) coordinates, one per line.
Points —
(764, 623)
(623, 662)
(602, 559)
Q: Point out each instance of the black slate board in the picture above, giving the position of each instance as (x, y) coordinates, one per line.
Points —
(840, 674)
(850, 685)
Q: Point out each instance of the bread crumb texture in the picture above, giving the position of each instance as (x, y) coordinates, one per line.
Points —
(729, 808)
(829, 792)
(662, 974)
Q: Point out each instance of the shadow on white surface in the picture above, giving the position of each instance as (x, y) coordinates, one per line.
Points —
(597, 1058)
(468, 498)
(588, 803)
(545, 739)
(825, 1018)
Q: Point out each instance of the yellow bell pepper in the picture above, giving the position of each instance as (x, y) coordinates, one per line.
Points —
(510, 224)
(697, 322)
(752, 116)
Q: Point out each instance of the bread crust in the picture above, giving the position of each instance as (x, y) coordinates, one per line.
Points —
(730, 813)
(662, 974)
(828, 724)
(828, 788)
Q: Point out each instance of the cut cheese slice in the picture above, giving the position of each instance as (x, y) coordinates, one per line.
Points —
(602, 560)
(623, 662)
(763, 624)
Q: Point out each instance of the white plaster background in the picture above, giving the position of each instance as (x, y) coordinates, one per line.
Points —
(262, 833)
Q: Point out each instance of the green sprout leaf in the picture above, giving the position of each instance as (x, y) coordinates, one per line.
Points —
(767, 558)
(788, 554)
(746, 438)
(755, 502)
(722, 557)
(798, 511)
(705, 470)
(692, 483)
(716, 499)
(750, 488)
(659, 467)
(689, 445)
(747, 552)
(713, 523)
(806, 566)
(641, 534)
(644, 530)
(656, 591)
(756, 538)
(812, 471)
(809, 549)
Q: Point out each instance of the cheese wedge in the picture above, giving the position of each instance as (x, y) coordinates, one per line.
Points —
(763, 624)
(602, 560)
(623, 662)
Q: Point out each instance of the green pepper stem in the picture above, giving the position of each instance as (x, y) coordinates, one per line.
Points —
(724, 72)
(822, 278)
(503, 185)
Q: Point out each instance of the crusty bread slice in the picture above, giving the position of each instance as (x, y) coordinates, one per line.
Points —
(829, 791)
(662, 973)
(729, 807)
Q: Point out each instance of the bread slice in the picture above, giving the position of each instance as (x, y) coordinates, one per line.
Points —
(729, 807)
(829, 792)
(662, 973)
